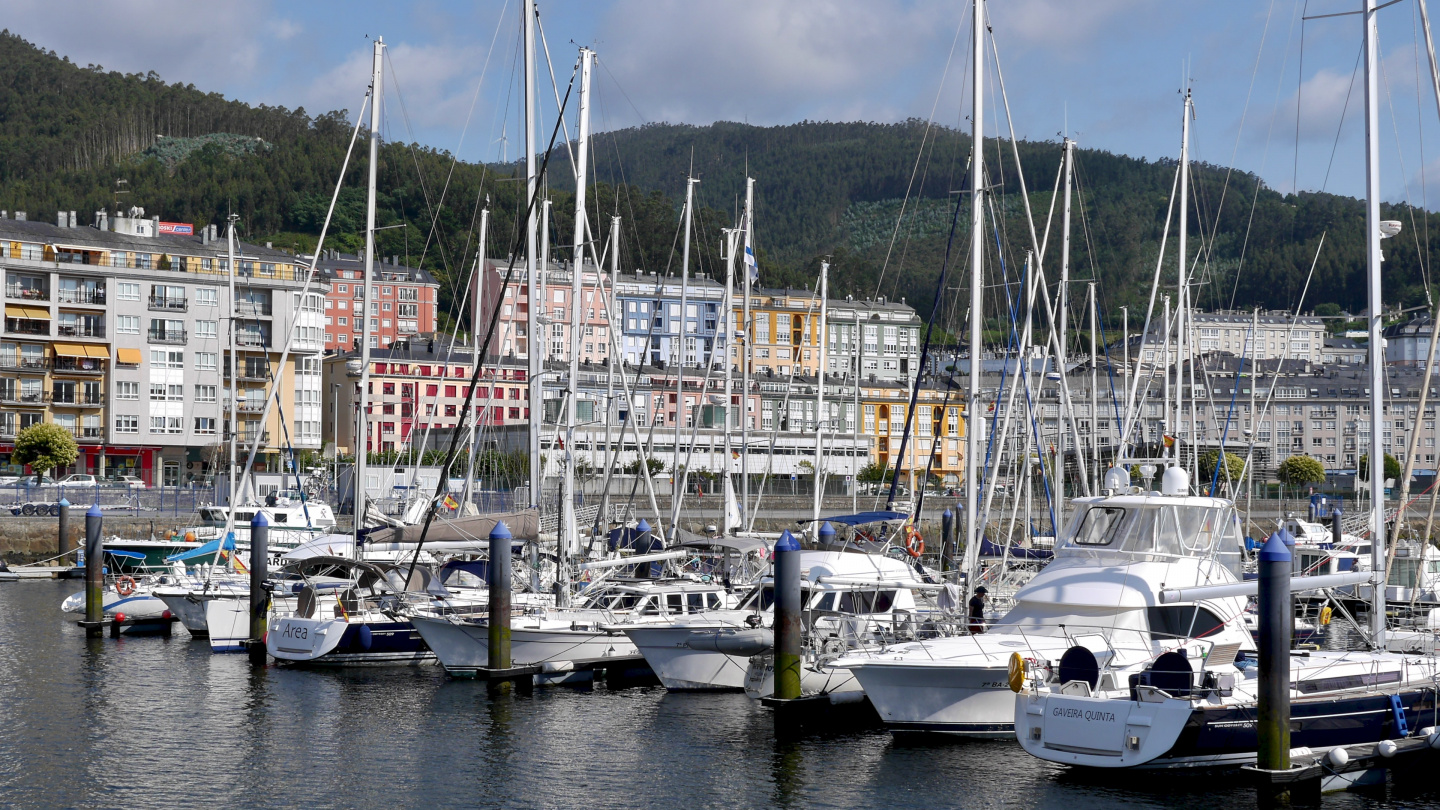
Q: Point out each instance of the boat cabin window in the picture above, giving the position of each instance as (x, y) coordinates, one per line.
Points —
(1183, 621)
(825, 602)
(1099, 526)
(244, 517)
(695, 602)
(459, 577)
(712, 600)
(674, 603)
(763, 598)
(282, 517)
(650, 607)
(866, 601)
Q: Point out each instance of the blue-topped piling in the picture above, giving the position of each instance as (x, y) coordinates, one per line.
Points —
(94, 571)
(259, 597)
(787, 617)
(1275, 617)
(498, 581)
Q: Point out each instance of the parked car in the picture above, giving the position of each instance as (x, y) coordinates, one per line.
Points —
(131, 481)
(79, 480)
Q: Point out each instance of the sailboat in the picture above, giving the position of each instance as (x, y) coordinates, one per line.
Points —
(1193, 709)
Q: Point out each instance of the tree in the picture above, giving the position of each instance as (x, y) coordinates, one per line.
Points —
(1297, 471)
(1392, 467)
(1232, 473)
(633, 468)
(44, 447)
(873, 472)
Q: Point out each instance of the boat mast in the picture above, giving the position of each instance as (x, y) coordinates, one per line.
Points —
(1094, 391)
(1165, 423)
(748, 354)
(1182, 298)
(537, 471)
(473, 418)
(728, 327)
(1377, 350)
(234, 374)
(820, 394)
(857, 348)
(977, 259)
(570, 534)
(1063, 318)
(677, 350)
(362, 442)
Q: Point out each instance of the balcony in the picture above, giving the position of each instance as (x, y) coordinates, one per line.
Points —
(7, 430)
(251, 406)
(26, 293)
(173, 337)
(83, 295)
(260, 308)
(86, 435)
(167, 304)
(248, 437)
(79, 330)
(22, 364)
(79, 365)
(27, 326)
(252, 339)
(16, 396)
(76, 399)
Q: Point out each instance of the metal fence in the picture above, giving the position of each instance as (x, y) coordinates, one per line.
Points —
(29, 498)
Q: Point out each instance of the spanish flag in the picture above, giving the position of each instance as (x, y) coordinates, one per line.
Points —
(1169, 440)
(451, 502)
(735, 454)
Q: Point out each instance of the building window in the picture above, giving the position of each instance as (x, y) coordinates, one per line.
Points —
(205, 329)
(205, 425)
(205, 361)
(126, 291)
(127, 324)
(127, 424)
(205, 393)
(206, 297)
(131, 390)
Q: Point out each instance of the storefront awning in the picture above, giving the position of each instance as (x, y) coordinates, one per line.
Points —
(31, 313)
(70, 350)
(130, 356)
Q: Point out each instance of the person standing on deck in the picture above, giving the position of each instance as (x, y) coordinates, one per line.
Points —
(977, 611)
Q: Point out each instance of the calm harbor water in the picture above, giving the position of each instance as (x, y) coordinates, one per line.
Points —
(150, 722)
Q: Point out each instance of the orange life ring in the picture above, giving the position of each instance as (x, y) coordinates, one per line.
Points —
(914, 543)
(125, 585)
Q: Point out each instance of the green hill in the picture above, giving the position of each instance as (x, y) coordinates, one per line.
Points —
(68, 133)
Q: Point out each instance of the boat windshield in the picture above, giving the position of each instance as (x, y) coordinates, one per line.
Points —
(1170, 530)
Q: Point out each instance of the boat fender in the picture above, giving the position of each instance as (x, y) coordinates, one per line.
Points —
(1017, 672)
(365, 637)
(1433, 738)
(1338, 757)
(125, 585)
(119, 618)
(1387, 748)
(1325, 615)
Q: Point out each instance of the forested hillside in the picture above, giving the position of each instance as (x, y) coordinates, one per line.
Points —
(68, 133)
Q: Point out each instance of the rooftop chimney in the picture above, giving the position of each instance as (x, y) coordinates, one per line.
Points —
(19, 216)
(62, 219)
(73, 223)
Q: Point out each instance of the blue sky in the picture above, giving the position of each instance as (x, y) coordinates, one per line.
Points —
(1111, 68)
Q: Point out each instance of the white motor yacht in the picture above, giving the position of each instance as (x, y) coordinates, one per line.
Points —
(1101, 590)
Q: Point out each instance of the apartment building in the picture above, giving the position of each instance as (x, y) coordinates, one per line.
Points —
(419, 385)
(403, 300)
(876, 339)
(118, 332)
(650, 320)
(553, 289)
(1270, 336)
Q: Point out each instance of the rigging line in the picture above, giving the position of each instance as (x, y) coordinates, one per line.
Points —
(924, 136)
(1264, 155)
(1359, 52)
(1400, 157)
(439, 204)
(484, 350)
(1130, 409)
(1299, 101)
(565, 128)
(1420, 139)
(1289, 334)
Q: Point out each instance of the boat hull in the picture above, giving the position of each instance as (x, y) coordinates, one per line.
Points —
(464, 647)
(973, 701)
(339, 642)
(683, 669)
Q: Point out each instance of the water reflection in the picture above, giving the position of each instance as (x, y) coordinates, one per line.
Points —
(157, 722)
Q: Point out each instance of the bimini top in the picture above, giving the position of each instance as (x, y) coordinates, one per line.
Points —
(862, 518)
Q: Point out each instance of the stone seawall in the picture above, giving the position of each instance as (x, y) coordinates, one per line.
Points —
(28, 539)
